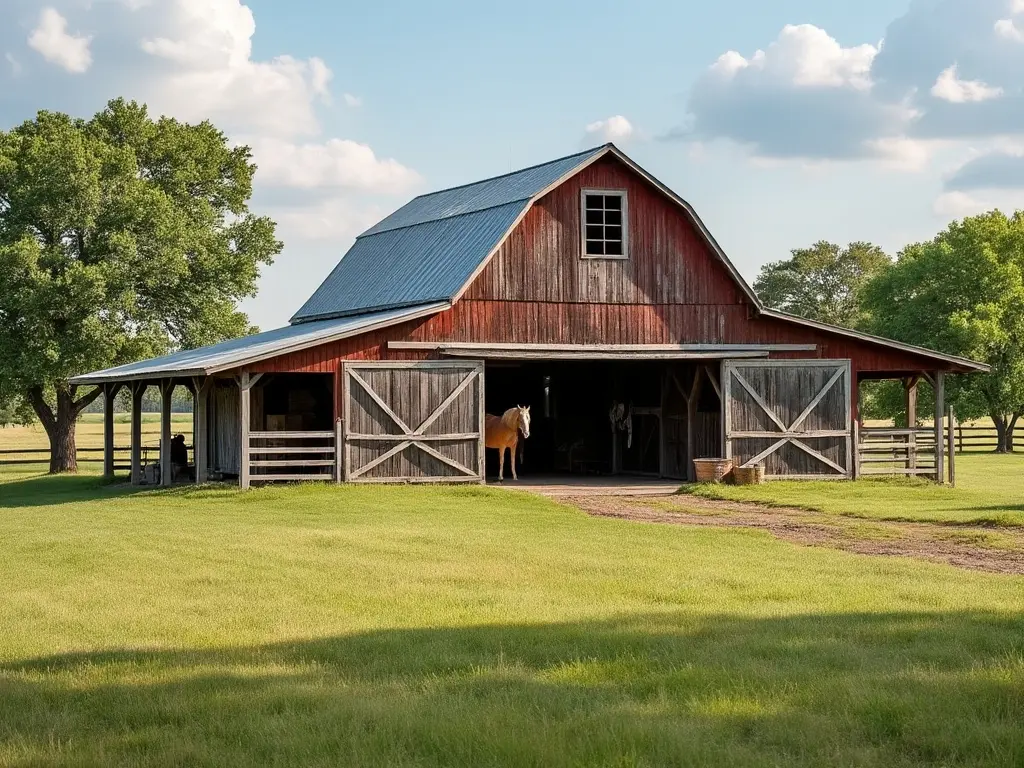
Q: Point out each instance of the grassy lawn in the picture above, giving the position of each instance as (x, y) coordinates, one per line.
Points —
(990, 490)
(435, 626)
(89, 433)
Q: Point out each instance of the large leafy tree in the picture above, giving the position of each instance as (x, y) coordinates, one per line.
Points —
(121, 237)
(963, 293)
(823, 282)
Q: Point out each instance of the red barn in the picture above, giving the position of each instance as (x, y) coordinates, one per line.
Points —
(582, 287)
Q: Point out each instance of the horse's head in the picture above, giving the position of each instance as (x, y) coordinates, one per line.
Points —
(524, 420)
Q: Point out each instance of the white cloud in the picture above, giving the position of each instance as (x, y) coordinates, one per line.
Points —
(901, 153)
(336, 163)
(1007, 28)
(15, 64)
(614, 128)
(949, 87)
(804, 56)
(957, 205)
(352, 100)
(335, 219)
(52, 41)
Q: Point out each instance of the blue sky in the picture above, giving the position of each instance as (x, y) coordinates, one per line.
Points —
(782, 122)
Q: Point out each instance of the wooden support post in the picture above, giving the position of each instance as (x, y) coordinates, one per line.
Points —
(910, 402)
(692, 401)
(339, 442)
(940, 412)
(138, 389)
(109, 391)
(200, 428)
(856, 449)
(244, 386)
(166, 470)
(952, 452)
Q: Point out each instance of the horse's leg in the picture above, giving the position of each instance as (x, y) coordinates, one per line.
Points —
(501, 464)
(513, 458)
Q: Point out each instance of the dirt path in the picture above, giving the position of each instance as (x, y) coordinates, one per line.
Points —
(974, 547)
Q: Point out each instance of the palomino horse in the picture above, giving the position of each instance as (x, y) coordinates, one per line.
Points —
(503, 434)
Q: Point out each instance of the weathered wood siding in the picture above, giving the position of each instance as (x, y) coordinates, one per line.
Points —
(225, 432)
(537, 288)
(793, 417)
(415, 424)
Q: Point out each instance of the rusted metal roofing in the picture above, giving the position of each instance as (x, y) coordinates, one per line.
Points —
(429, 248)
(250, 349)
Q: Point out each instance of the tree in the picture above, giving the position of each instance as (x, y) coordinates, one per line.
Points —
(121, 237)
(823, 282)
(963, 294)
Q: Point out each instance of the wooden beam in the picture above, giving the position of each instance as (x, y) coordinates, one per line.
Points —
(758, 399)
(817, 399)
(692, 401)
(166, 470)
(725, 349)
(951, 446)
(439, 411)
(245, 404)
(108, 429)
(200, 427)
(138, 390)
(714, 381)
(399, 422)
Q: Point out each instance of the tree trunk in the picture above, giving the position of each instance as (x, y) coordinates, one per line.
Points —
(63, 453)
(1002, 430)
(1009, 431)
(60, 426)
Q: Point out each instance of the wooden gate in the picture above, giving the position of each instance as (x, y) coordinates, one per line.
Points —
(791, 415)
(414, 421)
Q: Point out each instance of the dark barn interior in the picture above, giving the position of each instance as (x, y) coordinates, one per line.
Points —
(571, 424)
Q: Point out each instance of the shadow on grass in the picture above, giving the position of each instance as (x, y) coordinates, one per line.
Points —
(659, 689)
(40, 490)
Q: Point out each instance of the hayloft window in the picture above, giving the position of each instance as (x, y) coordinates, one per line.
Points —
(604, 219)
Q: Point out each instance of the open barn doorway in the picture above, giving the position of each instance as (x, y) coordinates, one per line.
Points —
(607, 418)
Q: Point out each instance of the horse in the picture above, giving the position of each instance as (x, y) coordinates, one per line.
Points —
(503, 434)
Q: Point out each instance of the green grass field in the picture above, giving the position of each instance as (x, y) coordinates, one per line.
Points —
(990, 491)
(435, 626)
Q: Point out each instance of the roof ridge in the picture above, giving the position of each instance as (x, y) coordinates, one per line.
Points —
(590, 151)
(518, 200)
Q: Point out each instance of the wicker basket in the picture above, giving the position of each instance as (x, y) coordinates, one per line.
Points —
(748, 475)
(712, 470)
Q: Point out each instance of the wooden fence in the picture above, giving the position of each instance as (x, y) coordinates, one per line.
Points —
(884, 451)
(292, 456)
(122, 456)
(975, 438)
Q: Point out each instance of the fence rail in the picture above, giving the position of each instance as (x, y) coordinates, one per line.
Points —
(291, 456)
(908, 452)
(122, 456)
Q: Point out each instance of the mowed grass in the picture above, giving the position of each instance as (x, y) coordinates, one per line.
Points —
(468, 626)
(990, 491)
(89, 432)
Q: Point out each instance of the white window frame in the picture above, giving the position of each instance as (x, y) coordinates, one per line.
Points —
(622, 195)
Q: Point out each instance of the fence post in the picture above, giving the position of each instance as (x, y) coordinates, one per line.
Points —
(952, 453)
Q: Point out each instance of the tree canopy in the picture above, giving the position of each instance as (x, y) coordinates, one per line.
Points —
(121, 237)
(823, 282)
(963, 293)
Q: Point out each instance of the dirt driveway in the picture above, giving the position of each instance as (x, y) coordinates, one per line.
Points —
(997, 550)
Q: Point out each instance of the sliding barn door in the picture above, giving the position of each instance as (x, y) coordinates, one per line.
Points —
(414, 422)
(792, 416)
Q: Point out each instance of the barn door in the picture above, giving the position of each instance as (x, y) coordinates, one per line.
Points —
(413, 422)
(791, 415)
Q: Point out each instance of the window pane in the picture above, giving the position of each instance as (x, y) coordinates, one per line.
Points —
(595, 233)
(595, 248)
(613, 233)
(596, 217)
(613, 202)
(613, 217)
(595, 201)
(613, 249)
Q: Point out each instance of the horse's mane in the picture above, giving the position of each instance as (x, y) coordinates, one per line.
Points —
(510, 418)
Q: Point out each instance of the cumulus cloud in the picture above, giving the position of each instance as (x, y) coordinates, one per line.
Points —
(949, 87)
(52, 40)
(336, 163)
(805, 96)
(614, 128)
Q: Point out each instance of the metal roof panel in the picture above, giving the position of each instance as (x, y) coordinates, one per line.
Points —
(248, 349)
(414, 265)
